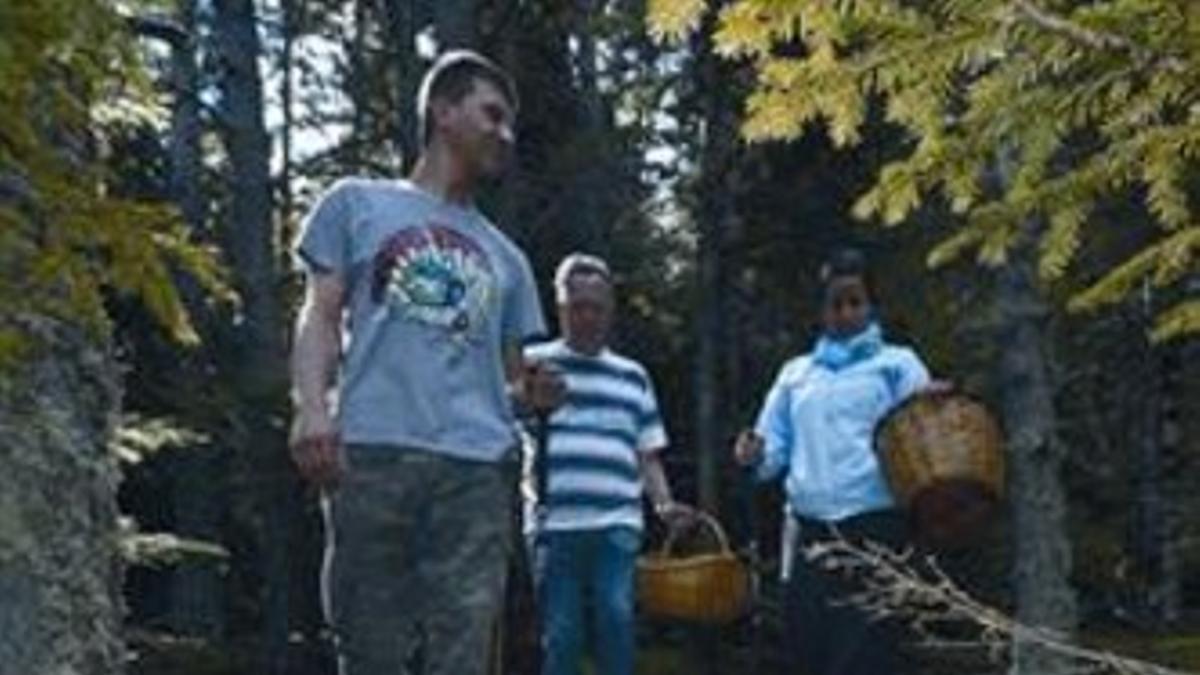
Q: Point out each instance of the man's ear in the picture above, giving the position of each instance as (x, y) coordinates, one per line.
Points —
(439, 111)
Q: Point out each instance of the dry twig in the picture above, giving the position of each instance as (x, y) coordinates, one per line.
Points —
(893, 586)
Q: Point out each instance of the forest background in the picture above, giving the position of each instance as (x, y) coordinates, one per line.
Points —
(1022, 175)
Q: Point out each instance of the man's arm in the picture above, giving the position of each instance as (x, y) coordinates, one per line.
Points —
(651, 442)
(654, 479)
(316, 447)
(658, 489)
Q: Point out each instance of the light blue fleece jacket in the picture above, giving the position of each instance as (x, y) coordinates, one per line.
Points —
(819, 419)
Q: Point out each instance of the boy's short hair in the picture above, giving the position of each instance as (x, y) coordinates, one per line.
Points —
(451, 77)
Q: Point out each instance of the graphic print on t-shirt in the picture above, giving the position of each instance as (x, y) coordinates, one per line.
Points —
(436, 276)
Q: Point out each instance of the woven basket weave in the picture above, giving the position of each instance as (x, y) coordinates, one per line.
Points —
(711, 587)
(943, 455)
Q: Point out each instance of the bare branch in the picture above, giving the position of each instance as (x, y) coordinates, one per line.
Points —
(894, 587)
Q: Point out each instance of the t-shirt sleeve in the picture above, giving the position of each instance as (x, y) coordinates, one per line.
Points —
(522, 312)
(323, 244)
(652, 435)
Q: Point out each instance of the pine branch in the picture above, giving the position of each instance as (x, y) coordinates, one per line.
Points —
(1095, 39)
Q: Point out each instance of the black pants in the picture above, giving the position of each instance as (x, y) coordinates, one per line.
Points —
(824, 635)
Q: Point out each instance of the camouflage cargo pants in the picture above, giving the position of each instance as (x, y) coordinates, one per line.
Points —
(416, 553)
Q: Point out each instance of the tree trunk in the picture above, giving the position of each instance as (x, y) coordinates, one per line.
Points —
(1156, 521)
(708, 398)
(591, 222)
(1043, 551)
(714, 216)
(402, 25)
(248, 232)
(1166, 594)
(717, 217)
(260, 373)
(291, 16)
(60, 571)
(358, 88)
(1182, 436)
(187, 170)
(197, 589)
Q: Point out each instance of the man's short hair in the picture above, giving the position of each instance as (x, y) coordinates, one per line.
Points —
(578, 263)
(451, 77)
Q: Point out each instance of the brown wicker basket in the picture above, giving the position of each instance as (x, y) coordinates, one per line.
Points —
(943, 455)
(711, 587)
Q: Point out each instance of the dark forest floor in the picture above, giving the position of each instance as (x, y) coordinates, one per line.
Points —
(664, 650)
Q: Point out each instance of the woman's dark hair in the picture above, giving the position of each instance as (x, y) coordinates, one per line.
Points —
(845, 262)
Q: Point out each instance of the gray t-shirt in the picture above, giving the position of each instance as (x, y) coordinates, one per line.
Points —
(433, 292)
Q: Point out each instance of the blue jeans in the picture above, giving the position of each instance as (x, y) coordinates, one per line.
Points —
(570, 564)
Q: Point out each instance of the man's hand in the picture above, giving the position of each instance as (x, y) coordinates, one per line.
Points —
(544, 387)
(317, 449)
(676, 515)
(748, 448)
(315, 443)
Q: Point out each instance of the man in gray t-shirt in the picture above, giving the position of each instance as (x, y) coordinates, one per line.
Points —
(433, 293)
(417, 306)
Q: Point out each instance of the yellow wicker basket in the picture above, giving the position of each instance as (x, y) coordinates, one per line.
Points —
(943, 455)
(710, 587)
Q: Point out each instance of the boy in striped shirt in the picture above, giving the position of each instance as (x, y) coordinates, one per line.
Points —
(602, 453)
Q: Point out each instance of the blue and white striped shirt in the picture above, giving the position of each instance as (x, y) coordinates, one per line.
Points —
(610, 416)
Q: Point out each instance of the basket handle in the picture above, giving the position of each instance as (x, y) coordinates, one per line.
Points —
(702, 517)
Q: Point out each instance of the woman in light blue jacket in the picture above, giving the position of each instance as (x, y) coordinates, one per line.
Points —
(816, 428)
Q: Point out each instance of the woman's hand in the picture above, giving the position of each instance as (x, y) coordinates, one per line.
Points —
(748, 448)
(939, 387)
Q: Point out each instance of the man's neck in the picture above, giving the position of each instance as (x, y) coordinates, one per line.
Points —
(440, 174)
(586, 350)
